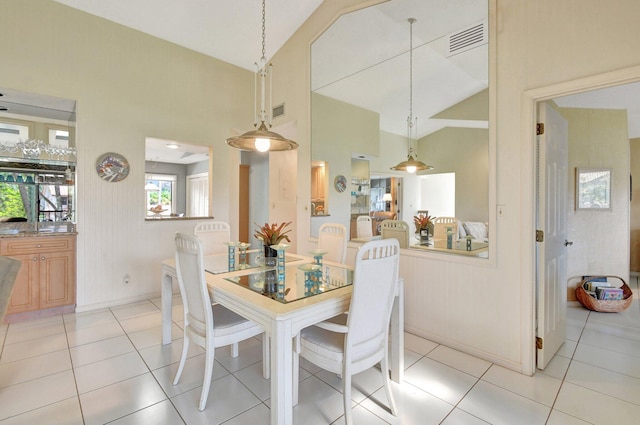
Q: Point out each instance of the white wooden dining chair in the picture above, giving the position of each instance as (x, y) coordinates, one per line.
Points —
(332, 237)
(9, 268)
(362, 342)
(396, 229)
(213, 235)
(440, 225)
(363, 226)
(206, 325)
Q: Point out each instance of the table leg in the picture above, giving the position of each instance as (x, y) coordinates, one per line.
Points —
(397, 335)
(281, 373)
(166, 304)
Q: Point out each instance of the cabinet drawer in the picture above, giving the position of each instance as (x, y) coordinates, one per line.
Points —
(34, 245)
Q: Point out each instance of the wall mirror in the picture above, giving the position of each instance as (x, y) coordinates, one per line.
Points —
(364, 83)
(593, 188)
(177, 180)
(37, 162)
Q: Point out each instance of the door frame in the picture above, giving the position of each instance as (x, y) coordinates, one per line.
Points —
(530, 98)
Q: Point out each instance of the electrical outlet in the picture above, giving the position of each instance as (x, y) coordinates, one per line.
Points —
(126, 279)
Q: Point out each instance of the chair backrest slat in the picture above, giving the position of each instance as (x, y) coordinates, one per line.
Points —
(213, 235)
(193, 287)
(397, 229)
(440, 225)
(332, 238)
(363, 226)
(375, 278)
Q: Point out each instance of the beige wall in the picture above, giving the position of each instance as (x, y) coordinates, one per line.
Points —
(598, 138)
(340, 130)
(465, 152)
(128, 86)
(634, 148)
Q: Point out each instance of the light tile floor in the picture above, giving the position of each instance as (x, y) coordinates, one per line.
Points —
(108, 366)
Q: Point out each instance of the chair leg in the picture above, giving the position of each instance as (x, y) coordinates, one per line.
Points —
(296, 368)
(346, 392)
(208, 372)
(384, 368)
(183, 358)
(234, 350)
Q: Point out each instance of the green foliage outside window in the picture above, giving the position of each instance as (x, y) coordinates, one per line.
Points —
(11, 202)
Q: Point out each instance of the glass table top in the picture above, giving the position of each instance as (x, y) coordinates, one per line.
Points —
(219, 263)
(299, 282)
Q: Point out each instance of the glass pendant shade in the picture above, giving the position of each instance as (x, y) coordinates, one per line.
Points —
(411, 165)
(261, 140)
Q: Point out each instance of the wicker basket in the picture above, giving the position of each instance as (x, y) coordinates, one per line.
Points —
(604, 306)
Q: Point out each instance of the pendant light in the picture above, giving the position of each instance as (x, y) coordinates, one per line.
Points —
(262, 139)
(411, 165)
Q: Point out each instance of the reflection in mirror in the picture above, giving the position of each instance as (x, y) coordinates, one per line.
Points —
(37, 162)
(319, 182)
(176, 179)
(361, 95)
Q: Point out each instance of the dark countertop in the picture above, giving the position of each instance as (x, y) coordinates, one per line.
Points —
(28, 234)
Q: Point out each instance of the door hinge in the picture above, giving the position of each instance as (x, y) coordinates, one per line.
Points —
(539, 235)
(539, 343)
(539, 128)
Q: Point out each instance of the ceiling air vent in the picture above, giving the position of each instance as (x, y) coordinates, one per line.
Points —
(277, 111)
(468, 38)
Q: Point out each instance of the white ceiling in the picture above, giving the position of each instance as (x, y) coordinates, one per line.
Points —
(15, 102)
(158, 150)
(363, 59)
(229, 30)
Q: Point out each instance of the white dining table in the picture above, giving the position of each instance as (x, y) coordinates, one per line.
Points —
(282, 320)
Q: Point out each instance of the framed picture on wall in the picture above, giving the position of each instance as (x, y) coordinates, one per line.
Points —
(593, 188)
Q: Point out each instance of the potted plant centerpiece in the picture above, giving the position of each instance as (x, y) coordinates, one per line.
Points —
(272, 234)
(424, 226)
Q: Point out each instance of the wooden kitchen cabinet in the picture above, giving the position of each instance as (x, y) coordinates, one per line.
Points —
(47, 276)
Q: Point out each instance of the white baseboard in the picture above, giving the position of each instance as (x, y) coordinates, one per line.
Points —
(114, 303)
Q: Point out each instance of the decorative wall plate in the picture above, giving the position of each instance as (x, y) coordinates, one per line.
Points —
(340, 183)
(112, 167)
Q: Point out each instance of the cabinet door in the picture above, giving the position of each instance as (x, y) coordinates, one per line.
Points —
(57, 279)
(25, 295)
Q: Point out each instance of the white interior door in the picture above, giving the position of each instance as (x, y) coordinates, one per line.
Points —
(198, 195)
(551, 276)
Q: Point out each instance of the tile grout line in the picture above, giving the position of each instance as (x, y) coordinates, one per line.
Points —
(149, 371)
(566, 372)
(73, 370)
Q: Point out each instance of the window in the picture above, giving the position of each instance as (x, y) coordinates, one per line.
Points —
(160, 193)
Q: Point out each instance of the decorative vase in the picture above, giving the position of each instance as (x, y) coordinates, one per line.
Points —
(270, 256)
(424, 236)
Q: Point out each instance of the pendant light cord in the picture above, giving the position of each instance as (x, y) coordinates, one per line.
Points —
(410, 118)
(264, 43)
